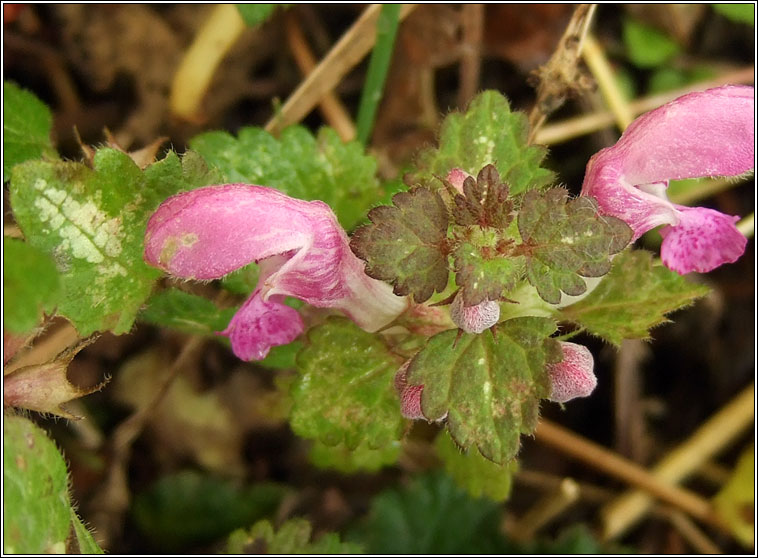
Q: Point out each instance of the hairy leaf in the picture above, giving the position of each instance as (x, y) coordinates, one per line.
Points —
(487, 133)
(92, 222)
(37, 512)
(291, 538)
(484, 273)
(344, 393)
(633, 298)
(26, 128)
(30, 285)
(564, 240)
(472, 472)
(298, 164)
(405, 244)
(488, 386)
(82, 542)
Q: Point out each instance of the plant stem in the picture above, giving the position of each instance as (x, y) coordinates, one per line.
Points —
(386, 31)
(713, 436)
(605, 460)
(601, 69)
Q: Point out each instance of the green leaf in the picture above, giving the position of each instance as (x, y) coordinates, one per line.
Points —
(186, 312)
(36, 506)
(488, 386)
(291, 538)
(300, 165)
(30, 285)
(92, 222)
(646, 46)
(255, 14)
(483, 272)
(85, 542)
(191, 508)
(487, 133)
(478, 476)
(633, 298)
(344, 393)
(430, 516)
(349, 461)
(740, 13)
(27, 123)
(565, 240)
(406, 244)
(735, 502)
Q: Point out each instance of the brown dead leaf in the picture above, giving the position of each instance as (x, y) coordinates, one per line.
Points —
(187, 422)
(45, 387)
(142, 157)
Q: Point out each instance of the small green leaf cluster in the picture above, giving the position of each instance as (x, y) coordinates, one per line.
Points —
(555, 244)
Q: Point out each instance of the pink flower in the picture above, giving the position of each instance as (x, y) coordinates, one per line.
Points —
(302, 250)
(573, 376)
(708, 133)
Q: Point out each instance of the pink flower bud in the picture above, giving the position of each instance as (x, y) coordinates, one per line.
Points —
(456, 177)
(573, 376)
(410, 396)
(707, 133)
(474, 319)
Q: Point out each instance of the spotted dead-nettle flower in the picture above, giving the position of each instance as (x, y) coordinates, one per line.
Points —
(708, 133)
(302, 250)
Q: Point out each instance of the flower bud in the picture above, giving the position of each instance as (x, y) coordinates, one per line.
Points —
(573, 376)
(410, 396)
(474, 319)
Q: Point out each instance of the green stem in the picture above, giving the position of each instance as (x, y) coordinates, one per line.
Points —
(386, 30)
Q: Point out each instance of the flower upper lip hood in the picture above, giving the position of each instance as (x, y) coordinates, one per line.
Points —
(707, 133)
(209, 232)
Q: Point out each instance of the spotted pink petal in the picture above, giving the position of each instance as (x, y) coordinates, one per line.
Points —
(209, 232)
(701, 241)
(259, 325)
(707, 133)
(573, 376)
